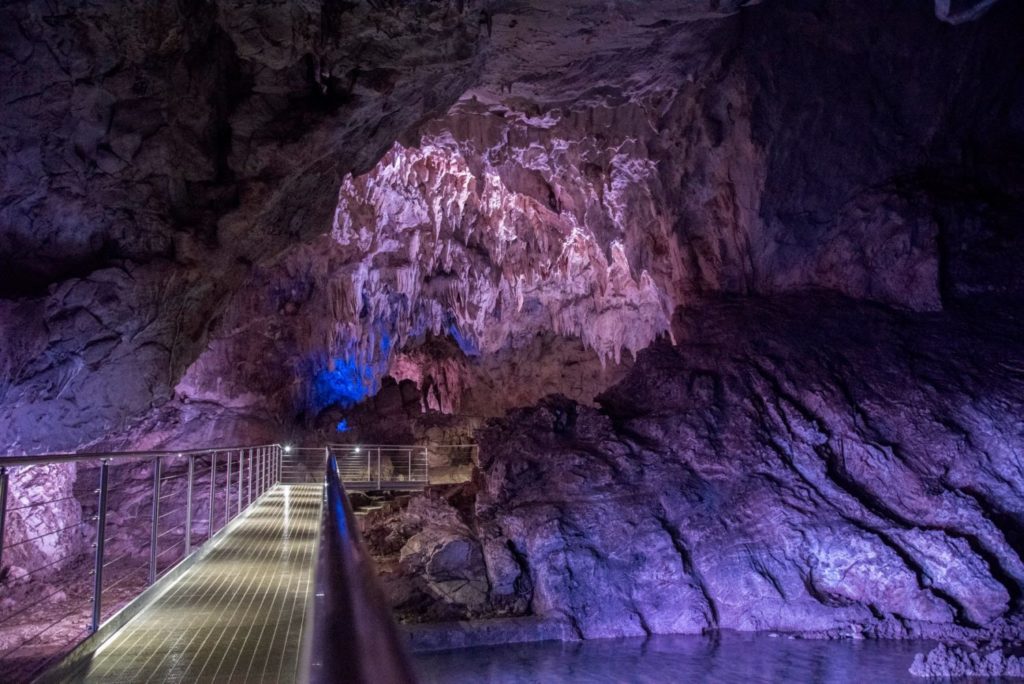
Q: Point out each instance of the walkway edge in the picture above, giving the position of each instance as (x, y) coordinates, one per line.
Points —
(64, 670)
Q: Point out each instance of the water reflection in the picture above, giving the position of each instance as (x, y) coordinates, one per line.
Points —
(725, 659)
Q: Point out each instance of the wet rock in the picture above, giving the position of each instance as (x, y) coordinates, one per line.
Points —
(451, 564)
(473, 633)
(945, 661)
(432, 562)
(775, 451)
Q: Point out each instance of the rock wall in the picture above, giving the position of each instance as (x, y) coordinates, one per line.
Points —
(219, 221)
(889, 163)
(598, 169)
(805, 464)
(520, 214)
(153, 153)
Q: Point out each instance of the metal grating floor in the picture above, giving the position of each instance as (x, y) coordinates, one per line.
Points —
(237, 614)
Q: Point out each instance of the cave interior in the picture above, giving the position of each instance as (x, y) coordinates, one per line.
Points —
(713, 309)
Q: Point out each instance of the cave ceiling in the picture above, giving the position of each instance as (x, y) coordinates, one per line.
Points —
(207, 204)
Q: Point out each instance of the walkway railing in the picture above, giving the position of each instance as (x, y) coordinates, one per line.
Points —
(75, 545)
(381, 466)
(353, 637)
(372, 466)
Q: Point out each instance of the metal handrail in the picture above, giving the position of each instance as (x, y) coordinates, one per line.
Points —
(353, 637)
(248, 472)
(47, 459)
(339, 445)
(364, 466)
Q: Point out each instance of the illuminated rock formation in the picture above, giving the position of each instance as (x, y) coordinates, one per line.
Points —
(774, 471)
(230, 221)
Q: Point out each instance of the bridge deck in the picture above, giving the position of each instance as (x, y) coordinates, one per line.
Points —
(236, 615)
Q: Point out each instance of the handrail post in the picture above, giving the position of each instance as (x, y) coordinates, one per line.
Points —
(241, 479)
(378, 467)
(188, 504)
(101, 533)
(250, 477)
(409, 454)
(213, 491)
(369, 467)
(3, 510)
(227, 492)
(154, 521)
(426, 465)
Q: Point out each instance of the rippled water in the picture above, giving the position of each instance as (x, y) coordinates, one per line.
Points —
(726, 659)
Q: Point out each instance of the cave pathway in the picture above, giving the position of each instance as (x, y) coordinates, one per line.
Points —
(237, 614)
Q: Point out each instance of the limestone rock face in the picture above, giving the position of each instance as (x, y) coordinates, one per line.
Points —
(233, 221)
(152, 153)
(41, 528)
(775, 471)
(431, 562)
(532, 211)
(959, 661)
(184, 244)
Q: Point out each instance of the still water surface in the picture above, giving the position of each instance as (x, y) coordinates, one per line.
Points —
(726, 659)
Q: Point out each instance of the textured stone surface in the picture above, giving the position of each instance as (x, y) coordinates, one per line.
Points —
(594, 216)
(957, 661)
(205, 206)
(803, 464)
(600, 166)
(431, 562)
(153, 153)
(41, 525)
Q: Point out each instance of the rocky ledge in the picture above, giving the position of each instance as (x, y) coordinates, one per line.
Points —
(967, 661)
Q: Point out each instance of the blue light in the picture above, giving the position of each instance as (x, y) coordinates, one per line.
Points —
(467, 345)
(349, 383)
(343, 425)
(351, 373)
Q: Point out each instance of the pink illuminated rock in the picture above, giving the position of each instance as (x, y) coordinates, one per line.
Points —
(775, 471)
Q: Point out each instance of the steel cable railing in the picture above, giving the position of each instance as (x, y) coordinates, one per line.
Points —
(353, 637)
(374, 466)
(63, 582)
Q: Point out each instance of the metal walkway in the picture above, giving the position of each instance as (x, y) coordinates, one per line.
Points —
(255, 573)
(237, 614)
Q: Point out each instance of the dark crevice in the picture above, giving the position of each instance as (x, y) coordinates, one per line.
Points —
(679, 544)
